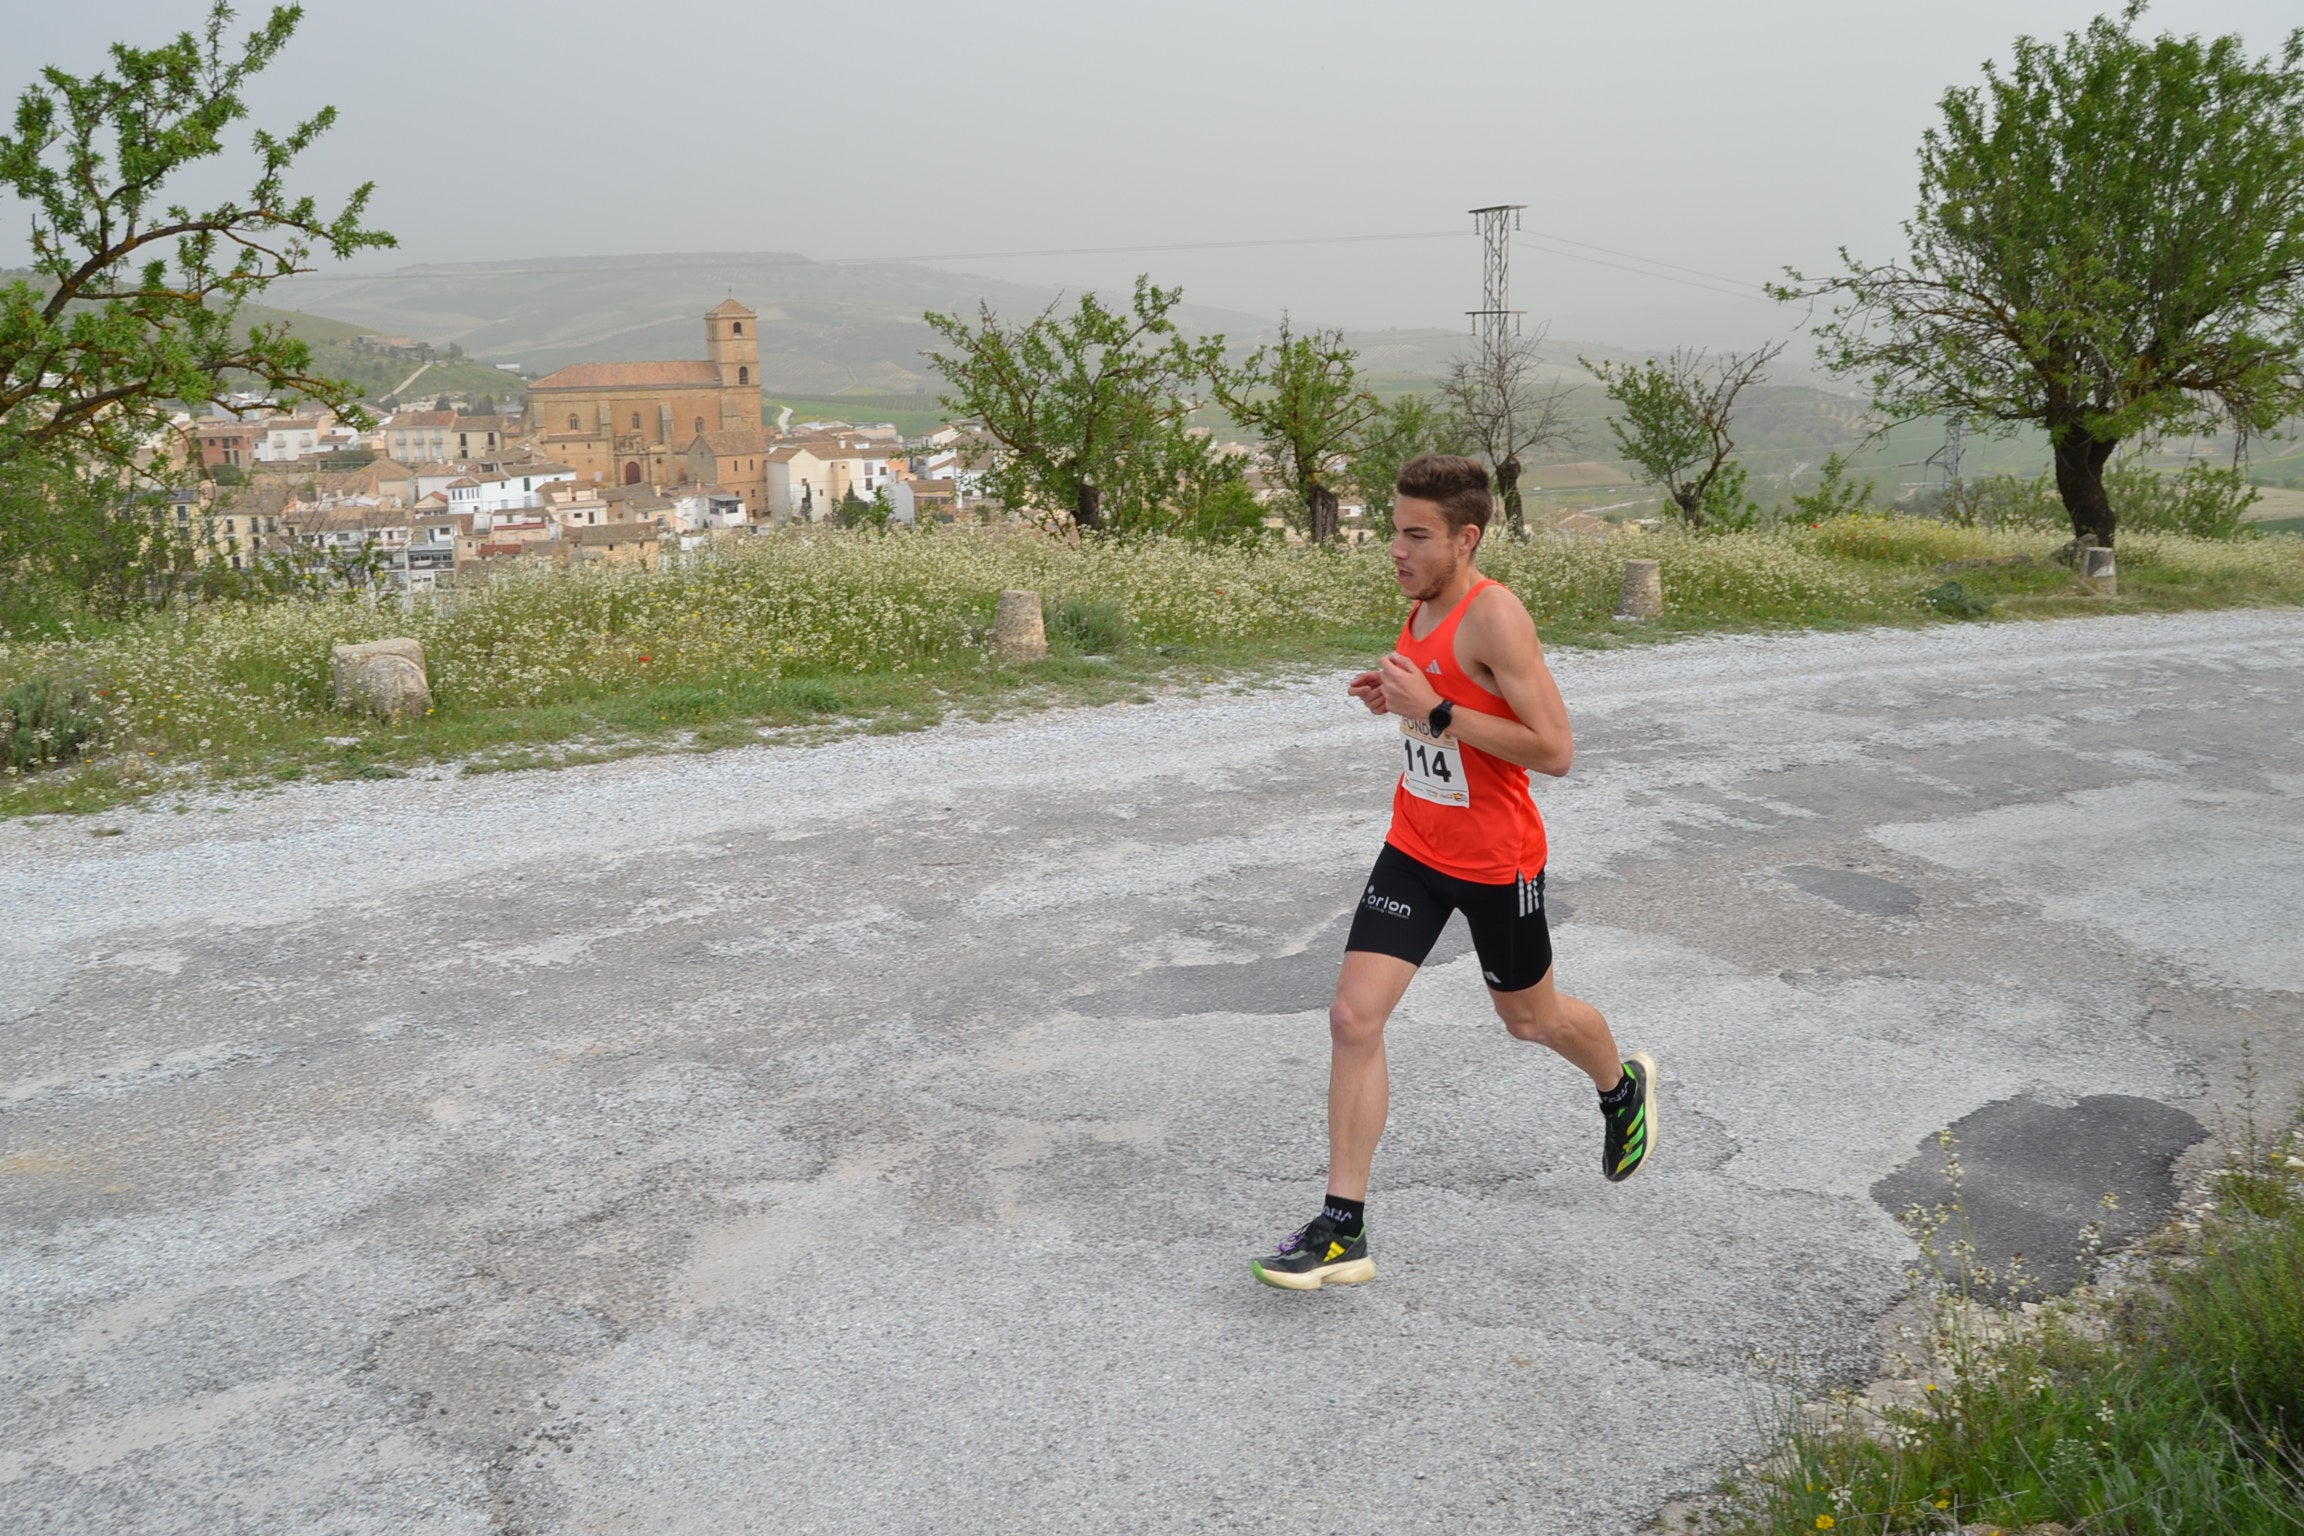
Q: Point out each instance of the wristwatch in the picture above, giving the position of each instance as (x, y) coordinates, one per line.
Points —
(1442, 713)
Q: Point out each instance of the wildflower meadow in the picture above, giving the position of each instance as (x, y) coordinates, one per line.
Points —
(880, 627)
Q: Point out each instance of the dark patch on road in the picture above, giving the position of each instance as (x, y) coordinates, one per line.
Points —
(1868, 894)
(1283, 984)
(2034, 1176)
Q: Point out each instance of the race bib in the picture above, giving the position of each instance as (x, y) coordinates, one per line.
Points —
(1435, 767)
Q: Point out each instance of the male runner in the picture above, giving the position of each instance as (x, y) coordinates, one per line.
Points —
(1477, 708)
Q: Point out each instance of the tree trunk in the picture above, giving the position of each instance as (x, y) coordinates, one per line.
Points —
(1508, 482)
(1089, 514)
(1690, 501)
(2080, 461)
(1322, 501)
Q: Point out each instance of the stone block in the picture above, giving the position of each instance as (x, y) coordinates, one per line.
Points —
(2098, 573)
(384, 678)
(1643, 594)
(1018, 632)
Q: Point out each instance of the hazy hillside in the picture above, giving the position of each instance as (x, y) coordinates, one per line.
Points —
(845, 339)
(825, 327)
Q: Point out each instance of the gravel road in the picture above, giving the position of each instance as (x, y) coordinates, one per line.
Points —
(872, 1137)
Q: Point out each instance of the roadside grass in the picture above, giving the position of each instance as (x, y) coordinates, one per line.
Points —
(2172, 1405)
(822, 632)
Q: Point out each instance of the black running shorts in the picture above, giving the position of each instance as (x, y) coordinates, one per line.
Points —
(1407, 904)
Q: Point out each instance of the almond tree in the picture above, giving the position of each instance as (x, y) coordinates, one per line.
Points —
(1501, 406)
(2109, 244)
(1303, 400)
(134, 302)
(1088, 409)
(1672, 424)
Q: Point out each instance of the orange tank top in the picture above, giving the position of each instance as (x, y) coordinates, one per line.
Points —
(1461, 810)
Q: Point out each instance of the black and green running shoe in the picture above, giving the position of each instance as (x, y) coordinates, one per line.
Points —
(1316, 1255)
(1631, 1130)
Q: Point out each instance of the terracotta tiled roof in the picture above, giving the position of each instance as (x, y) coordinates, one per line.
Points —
(819, 450)
(734, 440)
(421, 419)
(353, 519)
(729, 307)
(610, 533)
(681, 375)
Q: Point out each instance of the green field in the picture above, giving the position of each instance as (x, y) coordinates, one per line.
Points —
(914, 415)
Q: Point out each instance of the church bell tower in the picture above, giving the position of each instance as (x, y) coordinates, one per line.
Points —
(732, 342)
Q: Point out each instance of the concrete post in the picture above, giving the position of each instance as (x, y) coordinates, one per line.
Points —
(2097, 572)
(1018, 633)
(1643, 595)
(383, 677)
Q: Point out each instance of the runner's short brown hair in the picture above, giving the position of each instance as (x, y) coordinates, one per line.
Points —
(1458, 487)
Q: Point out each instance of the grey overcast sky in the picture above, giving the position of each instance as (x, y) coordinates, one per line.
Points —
(1731, 139)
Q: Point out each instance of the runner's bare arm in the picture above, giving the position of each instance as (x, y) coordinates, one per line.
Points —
(1498, 644)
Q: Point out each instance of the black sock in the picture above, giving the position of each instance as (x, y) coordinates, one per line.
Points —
(1622, 1094)
(1349, 1215)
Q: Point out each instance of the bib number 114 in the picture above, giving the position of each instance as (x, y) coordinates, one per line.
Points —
(1434, 769)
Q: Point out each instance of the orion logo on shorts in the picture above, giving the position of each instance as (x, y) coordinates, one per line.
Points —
(1386, 904)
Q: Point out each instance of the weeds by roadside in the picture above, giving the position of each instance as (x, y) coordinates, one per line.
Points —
(868, 631)
(2170, 1405)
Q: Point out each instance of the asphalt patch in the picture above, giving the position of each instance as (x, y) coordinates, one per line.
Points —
(1868, 894)
(1293, 983)
(2033, 1176)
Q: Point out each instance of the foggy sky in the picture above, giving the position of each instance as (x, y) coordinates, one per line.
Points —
(1732, 139)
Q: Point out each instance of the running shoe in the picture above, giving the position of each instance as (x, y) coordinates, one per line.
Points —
(1316, 1255)
(1631, 1131)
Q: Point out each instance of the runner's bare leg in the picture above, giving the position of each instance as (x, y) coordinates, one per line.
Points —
(1545, 1015)
(1359, 1083)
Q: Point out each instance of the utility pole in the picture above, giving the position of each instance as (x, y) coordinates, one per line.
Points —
(1497, 324)
(1947, 458)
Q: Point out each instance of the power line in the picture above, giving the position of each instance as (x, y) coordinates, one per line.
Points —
(1735, 288)
(1751, 293)
(712, 263)
(1139, 250)
(1734, 282)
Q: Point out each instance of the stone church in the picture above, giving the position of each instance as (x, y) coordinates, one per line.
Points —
(640, 423)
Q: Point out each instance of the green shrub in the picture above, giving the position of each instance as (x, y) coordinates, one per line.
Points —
(1229, 514)
(1091, 626)
(2006, 501)
(1835, 496)
(810, 694)
(2237, 1323)
(45, 721)
(2200, 500)
(1956, 601)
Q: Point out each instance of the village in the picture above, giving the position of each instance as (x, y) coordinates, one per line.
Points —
(617, 462)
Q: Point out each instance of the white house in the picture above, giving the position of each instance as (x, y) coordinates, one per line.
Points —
(288, 438)
(809, 479)
(695, 509)
(493, 492)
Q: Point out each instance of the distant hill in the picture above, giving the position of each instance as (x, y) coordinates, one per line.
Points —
(824, 326)
(845, 339)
